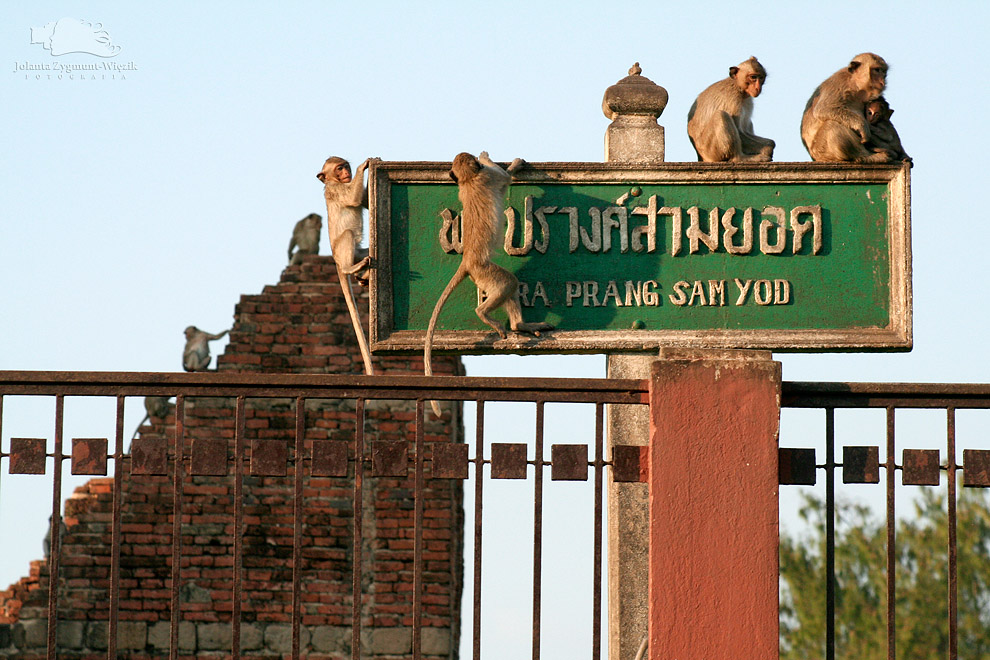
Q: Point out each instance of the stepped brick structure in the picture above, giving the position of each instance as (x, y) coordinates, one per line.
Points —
(300, 325)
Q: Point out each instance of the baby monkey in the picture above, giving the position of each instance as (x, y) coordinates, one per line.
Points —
(883, 135)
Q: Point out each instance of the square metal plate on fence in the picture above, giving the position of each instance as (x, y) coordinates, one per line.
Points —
(269, 457)
(389, 458)
(976, 467)
(508, 460)
(89, 456)
(209, 457)
(921, 467)
(630, 463)
(796, 467)
(860, 465)
(569, 462)
(27, 456)
(149, 456)
(329, 458)
(450, 460)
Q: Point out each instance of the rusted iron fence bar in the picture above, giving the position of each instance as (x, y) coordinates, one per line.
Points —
(356, 590)
(56, 528)
(830, 534)
(115, 531)
(891, 539)
(596, 575)
(538, 531)
(881, 395)
(178, 478)
(457, 388)
(479, 469)
(297, 522)
(951, 467)
(418, 495)
(237, 582)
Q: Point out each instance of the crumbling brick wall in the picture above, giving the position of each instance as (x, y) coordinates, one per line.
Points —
(300, 325)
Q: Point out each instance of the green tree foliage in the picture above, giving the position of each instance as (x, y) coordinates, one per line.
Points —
(922, 630)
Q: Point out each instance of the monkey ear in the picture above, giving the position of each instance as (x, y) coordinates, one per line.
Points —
(452, 175)
(322, 177)
(733, 70)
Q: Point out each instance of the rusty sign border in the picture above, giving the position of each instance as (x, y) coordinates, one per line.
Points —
(896, 336)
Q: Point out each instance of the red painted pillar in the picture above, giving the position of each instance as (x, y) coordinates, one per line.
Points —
(714, 419)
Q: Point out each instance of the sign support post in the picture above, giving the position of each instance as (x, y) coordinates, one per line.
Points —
(633, 104)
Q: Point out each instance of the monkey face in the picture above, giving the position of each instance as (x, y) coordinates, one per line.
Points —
(754, 85)
(342, 172)
(869, 73)
(749, 76)
(334, 168)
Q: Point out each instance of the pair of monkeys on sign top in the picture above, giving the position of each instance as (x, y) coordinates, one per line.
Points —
(846, 119)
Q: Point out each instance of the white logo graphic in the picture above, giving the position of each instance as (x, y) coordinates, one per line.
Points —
(71, 35)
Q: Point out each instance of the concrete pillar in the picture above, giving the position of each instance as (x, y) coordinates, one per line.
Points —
(713, 585)
(634, 136)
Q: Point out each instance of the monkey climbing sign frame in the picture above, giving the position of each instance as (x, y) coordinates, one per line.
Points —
(618, 257)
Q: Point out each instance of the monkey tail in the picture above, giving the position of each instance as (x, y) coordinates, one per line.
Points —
(356, 321)
(140, 424)
(428, 345)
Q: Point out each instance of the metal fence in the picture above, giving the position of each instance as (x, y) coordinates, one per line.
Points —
(861, 464)
(358, 458)
(457, 461)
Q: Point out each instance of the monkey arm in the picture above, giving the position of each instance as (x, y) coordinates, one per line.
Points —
(831, 107)
(494, 168)
(355, 194)
(217, 336)
(292, 244)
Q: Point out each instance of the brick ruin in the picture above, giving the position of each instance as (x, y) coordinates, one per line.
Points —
(300, 325)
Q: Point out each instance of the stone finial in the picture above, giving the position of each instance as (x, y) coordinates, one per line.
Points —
(634, 104)
(634, 95)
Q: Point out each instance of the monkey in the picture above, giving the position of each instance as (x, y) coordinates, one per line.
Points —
(196, 355)
(46, 542)
(345, 198)
(305, 238)
(883, 135)
(720, 122)
(154, 406)
(481, 188)
(834, 126)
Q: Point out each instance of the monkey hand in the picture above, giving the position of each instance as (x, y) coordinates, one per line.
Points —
(363, 166)
(516, 165)
(483, 156)
(864, 133)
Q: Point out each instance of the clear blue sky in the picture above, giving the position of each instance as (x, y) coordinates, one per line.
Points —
(132, 208)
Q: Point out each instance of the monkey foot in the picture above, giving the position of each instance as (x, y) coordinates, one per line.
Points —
(533, 329)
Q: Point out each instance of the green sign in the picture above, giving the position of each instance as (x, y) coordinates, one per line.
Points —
(781, 256)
